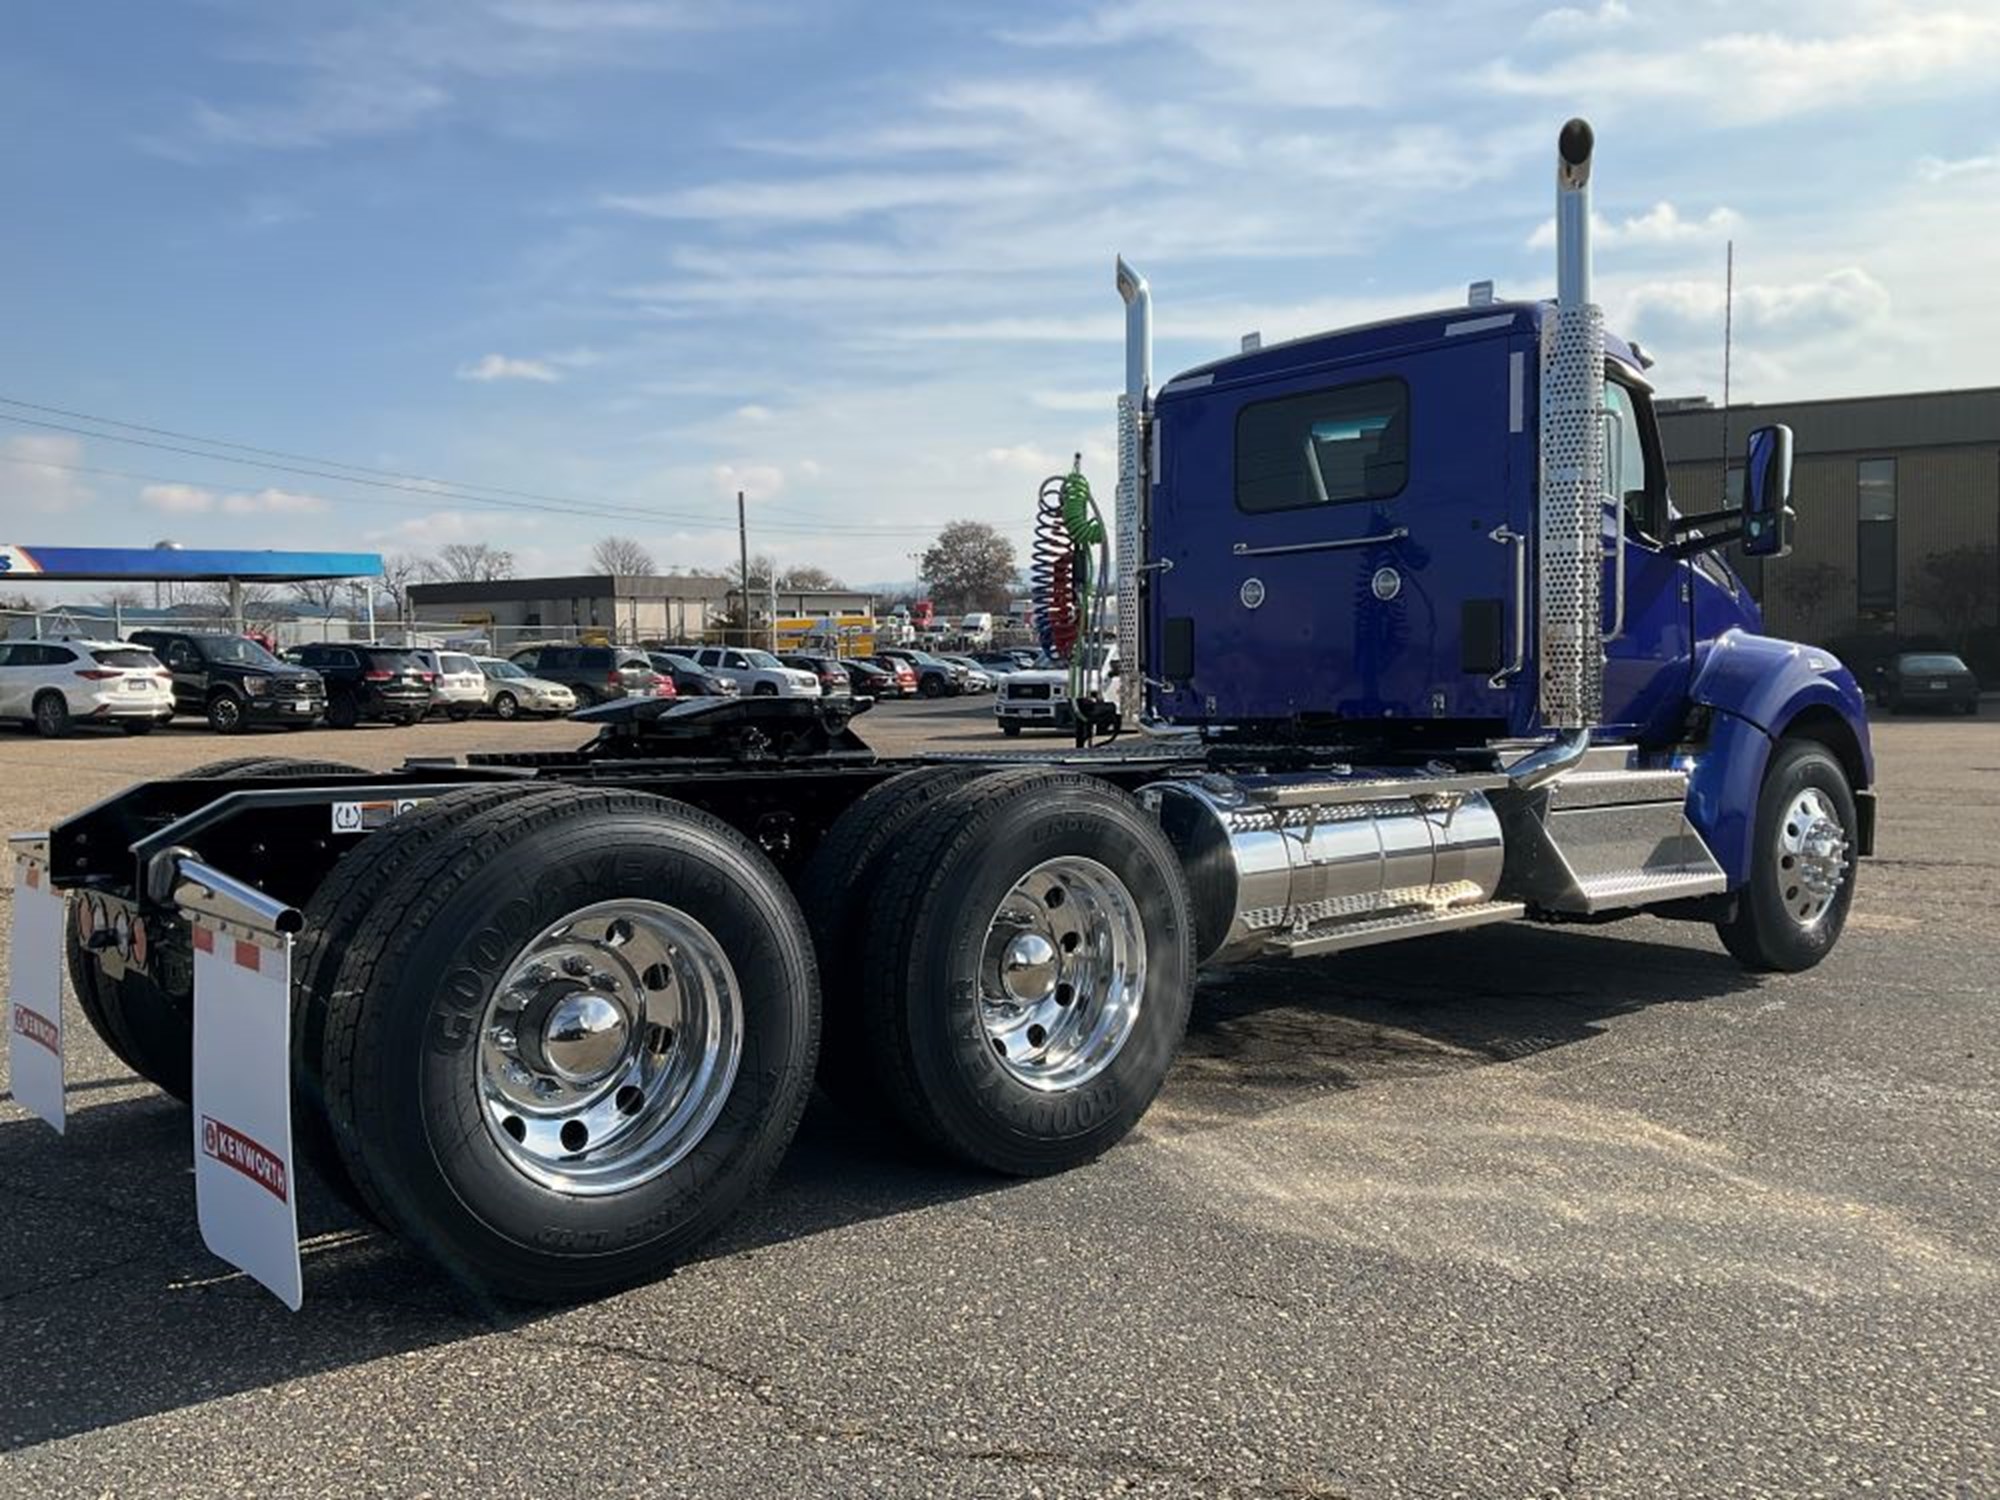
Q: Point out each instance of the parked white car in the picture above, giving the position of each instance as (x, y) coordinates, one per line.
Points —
(512, 692)
(56, 685)
(458, 687)
(977, 678)
(757, 672)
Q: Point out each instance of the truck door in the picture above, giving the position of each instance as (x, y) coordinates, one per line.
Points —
(189, 672)
(1648, 654)
(1325, 542)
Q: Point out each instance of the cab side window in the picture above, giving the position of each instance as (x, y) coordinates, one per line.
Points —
(1630, 466)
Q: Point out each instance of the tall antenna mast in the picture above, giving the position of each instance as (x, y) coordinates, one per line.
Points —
(1728, 330)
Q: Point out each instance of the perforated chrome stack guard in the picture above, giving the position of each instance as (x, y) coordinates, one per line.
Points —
(1572, 544)
(1132, 676)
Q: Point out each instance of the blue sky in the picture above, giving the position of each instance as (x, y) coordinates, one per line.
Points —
(856, 258)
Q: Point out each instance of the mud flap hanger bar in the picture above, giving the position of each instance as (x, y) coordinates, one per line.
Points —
(240, 909)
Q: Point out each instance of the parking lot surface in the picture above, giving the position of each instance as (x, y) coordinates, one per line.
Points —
(1522, 1212)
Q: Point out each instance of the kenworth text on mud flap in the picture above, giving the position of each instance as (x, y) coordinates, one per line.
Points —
(1410, 639)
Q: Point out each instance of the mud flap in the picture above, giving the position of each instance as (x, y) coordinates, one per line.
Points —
(34, 993)
(246, 1194)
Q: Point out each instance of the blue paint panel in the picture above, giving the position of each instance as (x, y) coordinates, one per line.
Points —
(1757, 687)
(96, 564)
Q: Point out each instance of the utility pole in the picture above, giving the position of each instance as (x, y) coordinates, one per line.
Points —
(743, 578)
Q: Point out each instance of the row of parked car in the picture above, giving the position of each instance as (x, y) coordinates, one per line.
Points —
(235, 682)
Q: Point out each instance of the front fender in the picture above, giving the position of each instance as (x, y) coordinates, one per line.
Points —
(1758, 690)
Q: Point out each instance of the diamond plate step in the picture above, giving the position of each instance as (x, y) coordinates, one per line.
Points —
(1616, 788)
(1615, 889)
(1334, 937)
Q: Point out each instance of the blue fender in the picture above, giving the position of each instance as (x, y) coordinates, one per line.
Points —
(1757, 690)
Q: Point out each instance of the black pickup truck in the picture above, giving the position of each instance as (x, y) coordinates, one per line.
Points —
(232, 681)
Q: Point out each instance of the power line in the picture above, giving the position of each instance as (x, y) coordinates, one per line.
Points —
(472, 502)
(416, 484)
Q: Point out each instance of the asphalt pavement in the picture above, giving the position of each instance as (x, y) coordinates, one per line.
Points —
(1521, 1212)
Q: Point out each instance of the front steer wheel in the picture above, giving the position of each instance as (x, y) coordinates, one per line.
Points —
(564, 1044)
(1791, 912)
(1027, 971)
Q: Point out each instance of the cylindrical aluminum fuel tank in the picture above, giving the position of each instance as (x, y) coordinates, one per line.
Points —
(1268, 854)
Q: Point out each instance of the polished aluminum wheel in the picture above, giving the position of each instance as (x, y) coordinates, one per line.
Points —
(609, 1046)
(1811, 856)
(1062, 973)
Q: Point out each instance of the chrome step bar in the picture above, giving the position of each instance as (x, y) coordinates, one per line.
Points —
(1337, 937)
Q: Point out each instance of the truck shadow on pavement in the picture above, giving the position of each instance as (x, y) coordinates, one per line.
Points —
(112, 1310)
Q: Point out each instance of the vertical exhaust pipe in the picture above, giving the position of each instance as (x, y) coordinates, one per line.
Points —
(1127, 519)
(1571, 519)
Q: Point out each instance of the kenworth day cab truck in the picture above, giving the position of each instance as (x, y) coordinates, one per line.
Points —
(1412, 639)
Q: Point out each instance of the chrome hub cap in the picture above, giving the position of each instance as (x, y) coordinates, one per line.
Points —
(1812, 857)
(609, 1047)
(1063, 974)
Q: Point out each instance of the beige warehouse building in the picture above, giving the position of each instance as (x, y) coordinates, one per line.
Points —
(1898, 501)
(621, 608)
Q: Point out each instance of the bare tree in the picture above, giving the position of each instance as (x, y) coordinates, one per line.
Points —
(971, 566)
(1959, 588)
(1810, 587)
(260, 602)
(472, 562)
(808, 577)
(321, 593)
(399, 571)
(123, 596)
(621, 557)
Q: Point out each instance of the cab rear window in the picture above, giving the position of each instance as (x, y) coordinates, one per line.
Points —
(1325, 447)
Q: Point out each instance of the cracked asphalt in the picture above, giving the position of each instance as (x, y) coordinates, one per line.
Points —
(1520, 1212)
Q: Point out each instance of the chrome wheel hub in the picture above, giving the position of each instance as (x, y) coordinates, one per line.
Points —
(1811, 857)
(1062, 974)
(609, 1046)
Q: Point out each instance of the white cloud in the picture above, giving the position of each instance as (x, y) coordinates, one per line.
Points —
(1837, 302)
(503, 367)
(1947, 169)
(757, 481)
(1569, 20)
(193, 500)
(1747, 77)
(1024, 460)
(754, 414)
(37, 477)
(1661, 224)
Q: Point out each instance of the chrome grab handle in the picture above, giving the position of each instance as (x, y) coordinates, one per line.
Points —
(1395, 534)
(1507, 536)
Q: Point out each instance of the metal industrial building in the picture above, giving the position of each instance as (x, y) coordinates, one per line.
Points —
(621, 607)
(1898, 501)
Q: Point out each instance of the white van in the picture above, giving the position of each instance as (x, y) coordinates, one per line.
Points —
(977, 628)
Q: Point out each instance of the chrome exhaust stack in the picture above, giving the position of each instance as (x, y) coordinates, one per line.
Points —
(1127, 519)
(1572, 461)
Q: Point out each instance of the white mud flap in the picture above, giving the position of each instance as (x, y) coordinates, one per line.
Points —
(246, 1193)
(34, 993)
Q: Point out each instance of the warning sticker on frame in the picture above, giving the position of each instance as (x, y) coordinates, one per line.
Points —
(366, 817)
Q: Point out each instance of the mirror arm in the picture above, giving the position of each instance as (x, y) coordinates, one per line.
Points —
(1694, 545)
(1683, 524)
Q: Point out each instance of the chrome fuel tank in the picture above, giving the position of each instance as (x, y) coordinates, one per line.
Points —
(1272, 856)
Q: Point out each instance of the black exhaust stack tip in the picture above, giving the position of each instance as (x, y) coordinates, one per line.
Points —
(1576, 142)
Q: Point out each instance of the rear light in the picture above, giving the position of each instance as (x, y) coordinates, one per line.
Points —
(612, 679)
(665, 688)
(99, 674)
(376, 674)
(428, 676)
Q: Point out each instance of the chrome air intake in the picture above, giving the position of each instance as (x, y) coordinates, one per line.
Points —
(1572, 460)
(1132, 480)
(1273, 859)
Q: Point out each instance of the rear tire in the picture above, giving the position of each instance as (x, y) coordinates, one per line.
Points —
(412, 1027)
(837, 888)
(52, 720)
(1028, 969)
(1791, 912)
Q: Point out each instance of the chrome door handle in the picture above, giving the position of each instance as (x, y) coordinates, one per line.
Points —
(1507, 536)
(1394, 534)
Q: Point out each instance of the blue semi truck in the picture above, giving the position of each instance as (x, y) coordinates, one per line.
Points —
(1411, 638)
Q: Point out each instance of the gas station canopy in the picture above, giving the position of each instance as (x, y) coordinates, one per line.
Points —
(181, 565)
